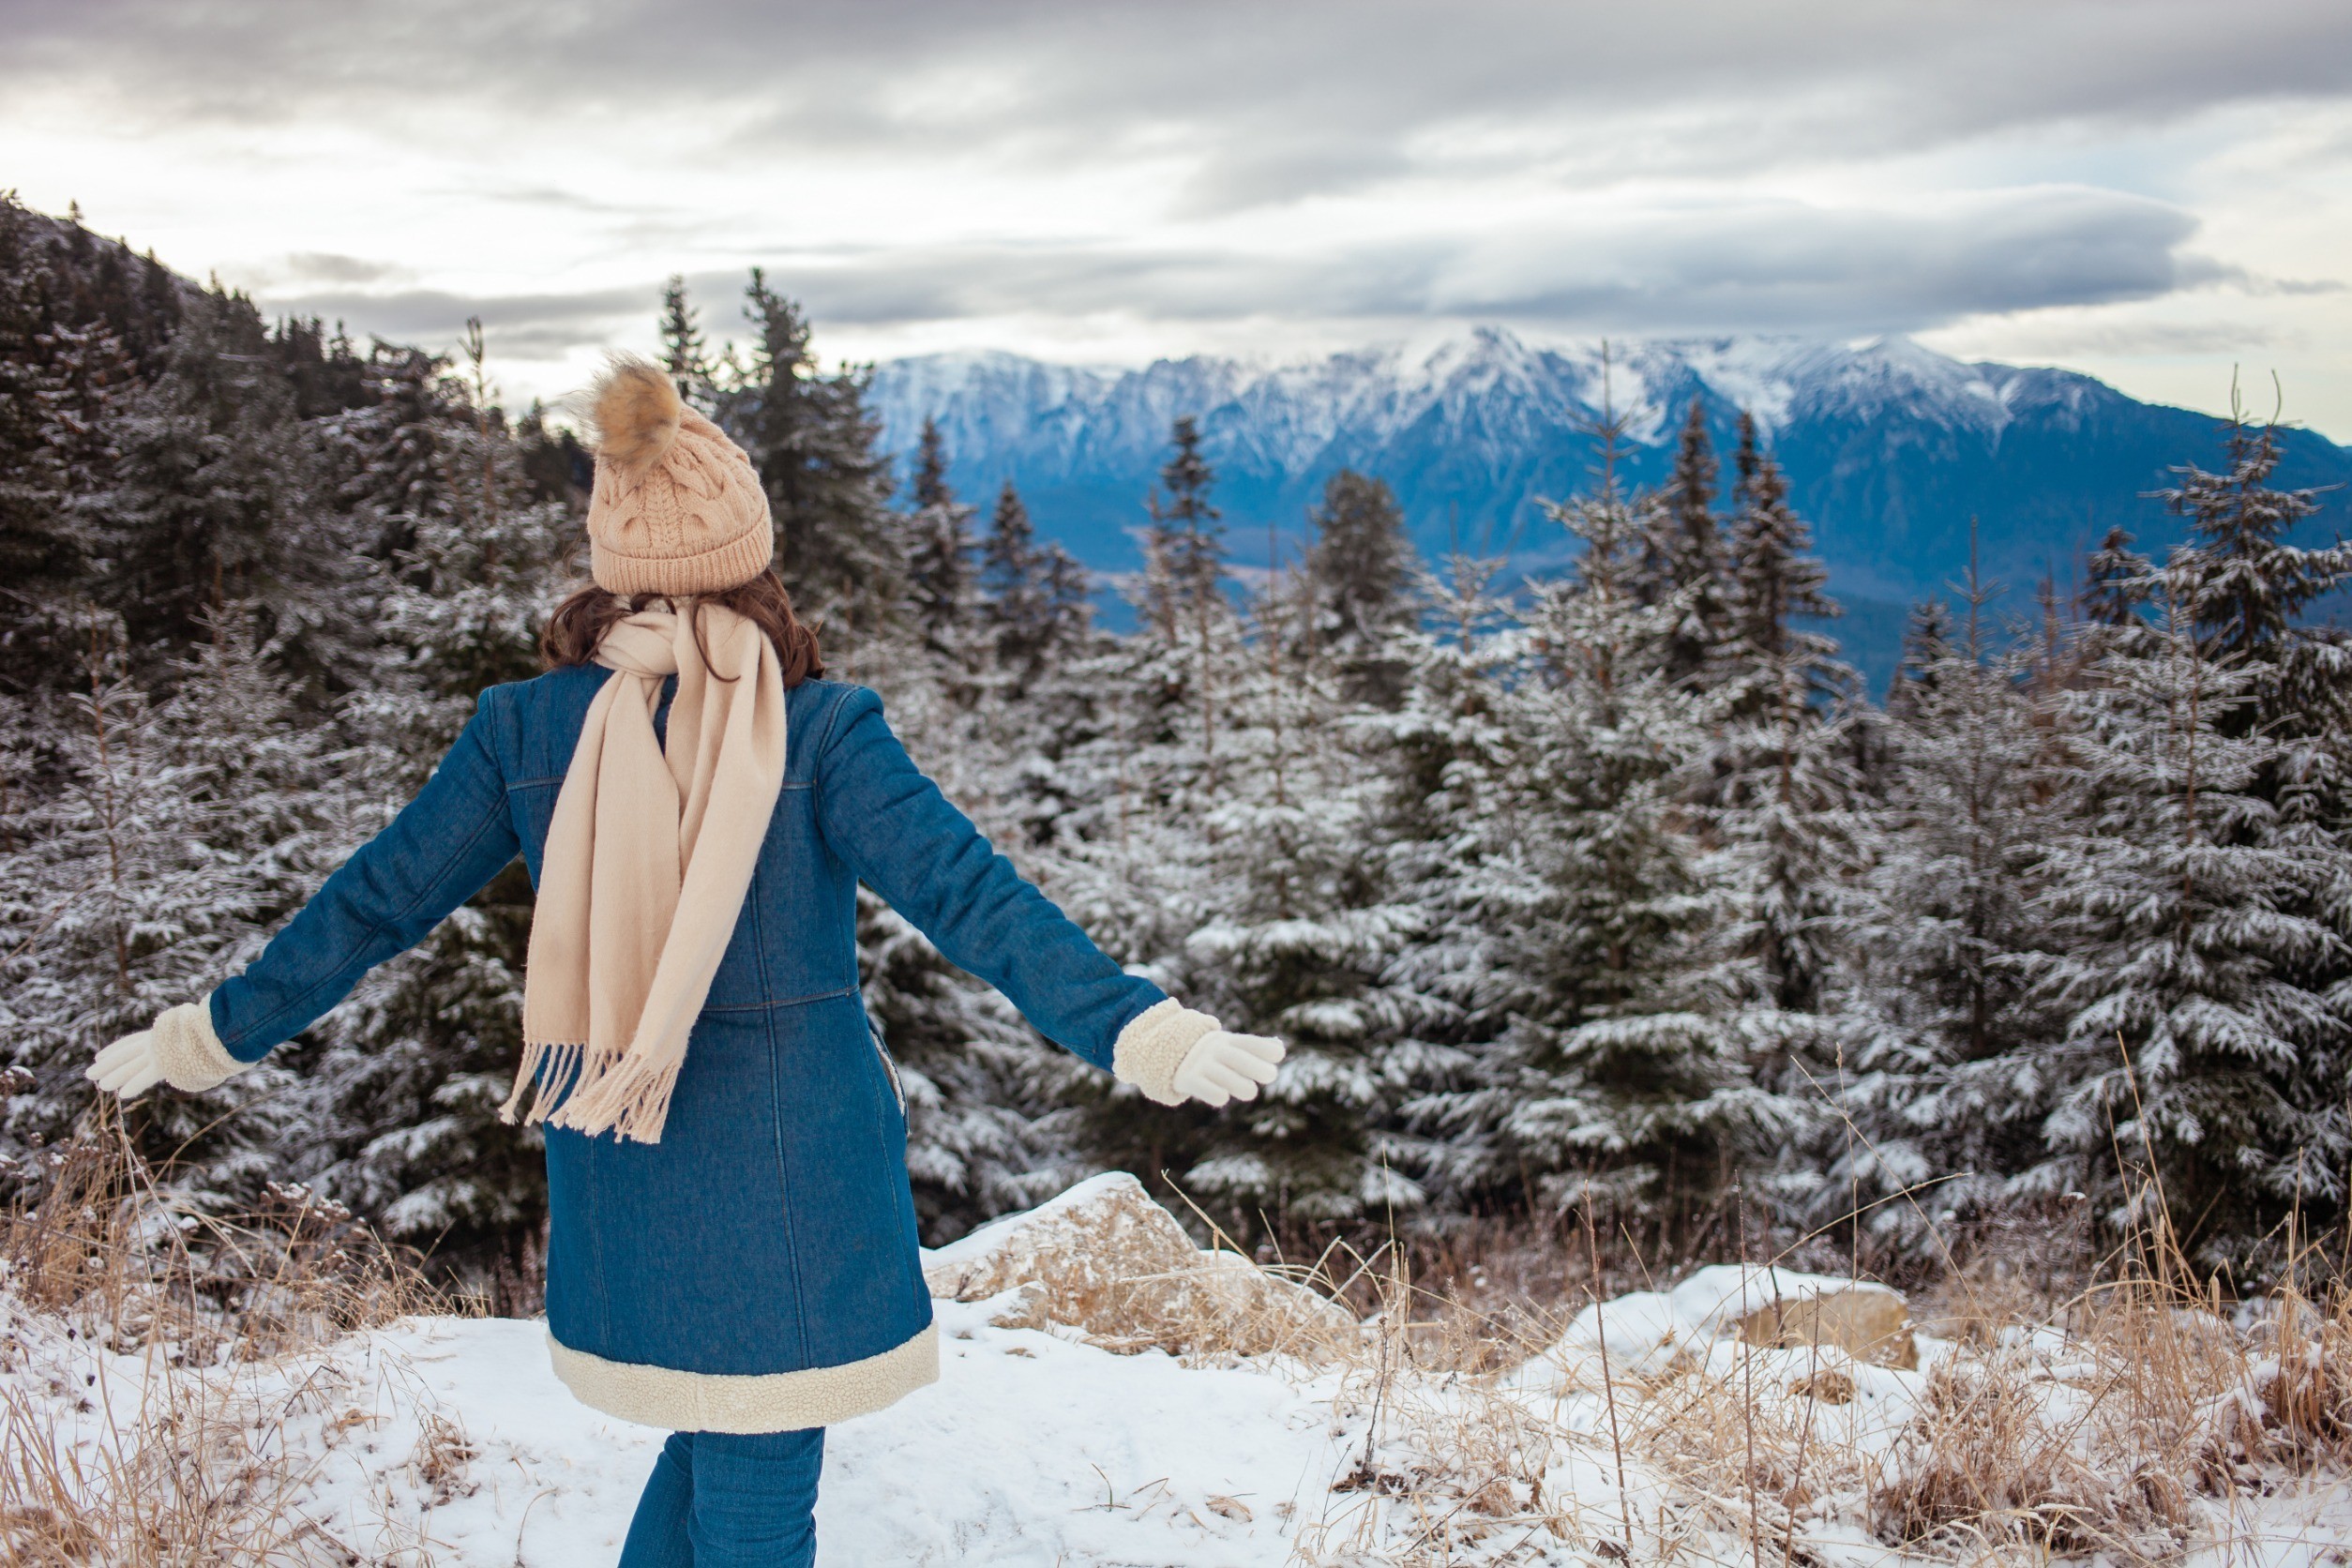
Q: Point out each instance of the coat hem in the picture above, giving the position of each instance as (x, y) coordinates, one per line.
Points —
(682, 1401)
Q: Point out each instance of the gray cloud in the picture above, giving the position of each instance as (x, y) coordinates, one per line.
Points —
(1761, 266)
(527, 327)
(1777, 266)
(1269, 102)
(324, 266)
(1235, 106)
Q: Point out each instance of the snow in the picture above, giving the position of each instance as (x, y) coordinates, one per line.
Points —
(1028, 1450)
(1031, 1449)
(452, 1442)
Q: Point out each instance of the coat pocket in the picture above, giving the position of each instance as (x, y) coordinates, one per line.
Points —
(890, 1069)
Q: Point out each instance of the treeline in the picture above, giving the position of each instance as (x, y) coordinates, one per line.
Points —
(1608, 890)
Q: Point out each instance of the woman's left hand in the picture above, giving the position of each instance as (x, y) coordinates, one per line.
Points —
(129, 1067)
(1223, 1067)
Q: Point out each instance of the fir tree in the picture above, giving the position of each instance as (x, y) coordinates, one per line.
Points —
(2183, 921)
(939, 556)
(1945, 1064)
(684, 353)
(1036, 602)
(813, 443)
(1360, 565)
(2117, 580)
(181, 833)
(1618, 1081)
(1684, 565)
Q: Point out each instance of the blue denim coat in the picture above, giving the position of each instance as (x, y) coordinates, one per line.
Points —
(771, 1230)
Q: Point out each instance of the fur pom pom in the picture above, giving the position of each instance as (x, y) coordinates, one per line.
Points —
(636, 414)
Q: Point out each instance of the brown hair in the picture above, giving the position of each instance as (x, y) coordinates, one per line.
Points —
(582, 619)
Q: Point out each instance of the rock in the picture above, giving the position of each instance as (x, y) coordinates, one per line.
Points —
(1869, 1323)
(1649, 1332)
(1105, 1260)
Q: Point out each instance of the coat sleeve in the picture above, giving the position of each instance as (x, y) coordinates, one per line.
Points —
(896, 830)
(438, 852)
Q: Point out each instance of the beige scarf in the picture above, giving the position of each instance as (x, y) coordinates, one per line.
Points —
(646, 867)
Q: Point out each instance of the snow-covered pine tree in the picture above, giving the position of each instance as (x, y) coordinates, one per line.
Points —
(1446, 760)
(1619, 1082)
(219, 494)
(173, 836)
(940, 586)
(1359, 567)
(406, 1089)
(839, 545)
(1188, 544)
(1683, 560)
(1778, 791)
(2194, 1070)
(1780, 777)
(1296, 929)
(1139, 782)
(1941, 1077)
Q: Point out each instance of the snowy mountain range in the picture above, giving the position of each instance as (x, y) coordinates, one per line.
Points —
(1891, 448)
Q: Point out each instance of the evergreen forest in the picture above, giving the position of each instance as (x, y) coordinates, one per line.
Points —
(1606, 894)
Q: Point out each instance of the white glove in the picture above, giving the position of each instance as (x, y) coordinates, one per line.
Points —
(129, 1067)
(1223, 1067)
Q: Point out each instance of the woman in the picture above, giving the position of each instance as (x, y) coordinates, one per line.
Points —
(732, 1240)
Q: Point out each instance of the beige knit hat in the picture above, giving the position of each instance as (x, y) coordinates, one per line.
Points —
(677, 506)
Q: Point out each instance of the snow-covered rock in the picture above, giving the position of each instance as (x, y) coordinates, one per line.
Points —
(1105, 1260)
(1649, 1330)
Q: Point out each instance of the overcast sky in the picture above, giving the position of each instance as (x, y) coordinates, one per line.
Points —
(2152, 190)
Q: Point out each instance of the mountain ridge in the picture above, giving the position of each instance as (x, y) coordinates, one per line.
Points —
(1891, 448)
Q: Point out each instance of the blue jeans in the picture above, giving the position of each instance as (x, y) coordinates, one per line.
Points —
(723, 1499)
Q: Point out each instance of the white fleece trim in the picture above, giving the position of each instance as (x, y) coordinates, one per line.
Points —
(746, 1402)
(1154, 1044)
(190, 1054)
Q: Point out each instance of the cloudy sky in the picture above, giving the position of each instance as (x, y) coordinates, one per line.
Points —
(2152, 190)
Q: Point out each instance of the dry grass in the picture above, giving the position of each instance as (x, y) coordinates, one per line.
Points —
(2118, 1417)
(192, 1461)
(2121, 1418)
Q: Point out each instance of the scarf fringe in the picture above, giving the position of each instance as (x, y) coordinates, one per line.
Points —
(605, 1094)
(625, 1096)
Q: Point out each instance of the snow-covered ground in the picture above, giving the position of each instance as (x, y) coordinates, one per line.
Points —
(448, 1441)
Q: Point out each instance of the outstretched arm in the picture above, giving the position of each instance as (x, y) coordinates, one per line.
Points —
(900, 836)
(438, 852)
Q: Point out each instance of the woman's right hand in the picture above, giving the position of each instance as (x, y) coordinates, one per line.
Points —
(1223, 1065)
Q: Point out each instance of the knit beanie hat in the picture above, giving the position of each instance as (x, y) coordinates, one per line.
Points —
(677, 506)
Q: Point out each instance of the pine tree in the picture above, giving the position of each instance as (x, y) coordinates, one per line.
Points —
(1683, 554)
(1360, 566)
(1296, 932)
(813, 442)
(2184, 919)
(2117, 581)
(939, 557)
(1928, 647)
(1780, 777)
(180, 833)
(684, 353)
(1183, 585)
(1945, 1064)
(219, 494)
(1036, 596)
(1618, 1081)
